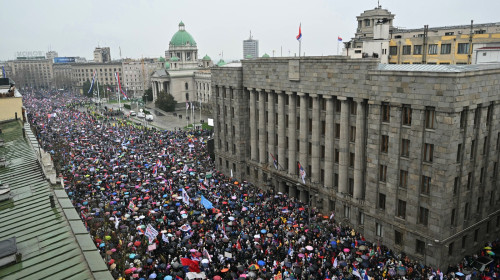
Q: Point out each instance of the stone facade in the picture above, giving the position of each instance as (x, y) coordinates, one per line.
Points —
(409, 158)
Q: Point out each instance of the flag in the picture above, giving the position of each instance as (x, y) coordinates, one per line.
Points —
(335, 263)
(164, 238)
(206, 203)
(274, 161)
(3, 72)
(131, 205)
(178, 278)
(302, 173)
(117, 76)
(93, 80)
(339, 38)
(187, 105)
(366, 276)
(185, 227)
(193, 266)
(238, 245)
(151, 233)
(185, 196)
(207, 255)
(300, 32)
(355, 272)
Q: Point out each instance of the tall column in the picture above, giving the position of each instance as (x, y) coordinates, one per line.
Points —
(262, 126)
(281, 128)
(271, 127)
(253, 127)
(292, 132)
(359, 150)
(344, 146)
(316, 126)
(329, 141)
(303, 132)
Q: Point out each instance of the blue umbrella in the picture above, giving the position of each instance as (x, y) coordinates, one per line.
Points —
(261, 263)
(132, 256)
(263, 231)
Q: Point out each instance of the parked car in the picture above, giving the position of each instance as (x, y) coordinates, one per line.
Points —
(133, 113)
(141, 115)
(149, 117)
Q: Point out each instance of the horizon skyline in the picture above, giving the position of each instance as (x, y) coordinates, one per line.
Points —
(274, 24)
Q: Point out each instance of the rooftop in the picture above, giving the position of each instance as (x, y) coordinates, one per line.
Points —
(44, 236)
(449, 68)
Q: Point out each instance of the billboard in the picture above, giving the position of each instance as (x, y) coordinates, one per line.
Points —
(64, 59)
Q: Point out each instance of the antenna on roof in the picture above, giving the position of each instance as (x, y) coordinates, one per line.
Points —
(250, 34)
(378, 4)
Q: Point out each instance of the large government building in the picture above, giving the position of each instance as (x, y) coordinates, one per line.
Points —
(406, 154)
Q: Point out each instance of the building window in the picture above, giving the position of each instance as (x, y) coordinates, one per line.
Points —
(384, 146)
(386, 112)
(351, 186)
(382, 173)
(351, 159)
(337, 156)
(433, 49)
(466, 211)
(403, 179)
(445, 48)
(405, 147)
(378, 229)
(453, 214)
(472, 149)
(406, 115)
(420, 247)
(425, 185)
(398, 237)
(476, 235)
(347, 211)
(338, 106)
(361, 218)
(354, 108)
(485, 145)
(479, 202)
(352, 135)
(469, 180)
(423, 216)
(381, 201)
(464, 241)
(429, 117)
(459, 152)
(407, 50)
(428, 152)
(401, 211)
(463, 48)
(393, 50)
(367, 22)
(337, 130)
(417, 49)
(450, 249)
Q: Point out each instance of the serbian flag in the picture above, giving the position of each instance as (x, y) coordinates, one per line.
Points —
(117, 76)
(339, 38)
(302, 173)
(193, 266)
(300, 32)
(93, 80)
(187, 105)
(274, 161)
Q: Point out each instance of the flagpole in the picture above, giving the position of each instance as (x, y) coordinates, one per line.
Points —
(300, 45)
(337, 47)
(187, 121)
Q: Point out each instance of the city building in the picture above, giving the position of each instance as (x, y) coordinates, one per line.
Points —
(102, 55)
(105, 73)
(33, 72)
(137, 74)
(51, 55)
(250, 48)
(63, 75)
(406, 154)
(203, 83)
(177, 76)
(377, 37)
(11, 101)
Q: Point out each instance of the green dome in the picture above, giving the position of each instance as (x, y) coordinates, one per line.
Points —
(221, 62)
(174, 58)
(248, 56)
(161, 59)
(167, 65)
(265, 55)
(182, 37)
(206, 57)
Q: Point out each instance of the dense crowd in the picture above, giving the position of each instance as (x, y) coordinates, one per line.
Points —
(156, 208)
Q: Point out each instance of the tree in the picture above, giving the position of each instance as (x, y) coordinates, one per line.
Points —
(148, 95)
(165, 102)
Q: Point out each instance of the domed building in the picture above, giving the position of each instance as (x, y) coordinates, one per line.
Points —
(178, 76)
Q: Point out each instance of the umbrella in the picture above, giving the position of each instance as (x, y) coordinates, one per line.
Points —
(459, 273)
(346, 250)
(362, 247)
(309, 248)
(261, 262)
(487, 248)
(254, 267)
(152, 275)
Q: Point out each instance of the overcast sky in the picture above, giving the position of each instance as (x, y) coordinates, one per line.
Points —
(145, 27)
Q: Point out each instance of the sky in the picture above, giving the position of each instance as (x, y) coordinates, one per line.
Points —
(143, 28)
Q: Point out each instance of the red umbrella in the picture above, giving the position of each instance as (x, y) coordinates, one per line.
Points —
(137, 243)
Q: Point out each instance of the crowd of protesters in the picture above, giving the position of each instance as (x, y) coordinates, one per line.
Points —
(157, 208)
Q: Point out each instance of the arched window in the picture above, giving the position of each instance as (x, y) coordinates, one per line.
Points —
(186, 86)
(187, 96)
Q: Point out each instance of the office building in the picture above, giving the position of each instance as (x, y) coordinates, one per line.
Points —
(250, 48)
(102, 55)
(407, 155)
